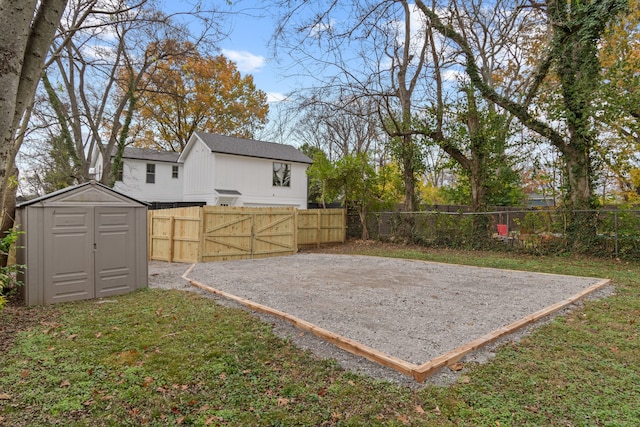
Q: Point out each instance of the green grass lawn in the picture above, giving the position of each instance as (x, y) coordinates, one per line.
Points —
(174, 358)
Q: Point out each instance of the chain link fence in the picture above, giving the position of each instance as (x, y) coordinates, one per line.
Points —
(610, 233)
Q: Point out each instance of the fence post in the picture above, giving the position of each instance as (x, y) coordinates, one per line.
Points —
(318, 228)
(253, 235)
(150, 235)
(202, 217)
(615, 225)
(172, 224)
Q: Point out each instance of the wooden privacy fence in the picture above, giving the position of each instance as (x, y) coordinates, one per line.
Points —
(318, 226)
(216, 233)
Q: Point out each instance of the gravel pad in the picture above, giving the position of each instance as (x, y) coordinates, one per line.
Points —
(412, 310)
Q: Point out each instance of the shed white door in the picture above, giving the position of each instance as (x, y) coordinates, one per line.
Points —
(89, 253)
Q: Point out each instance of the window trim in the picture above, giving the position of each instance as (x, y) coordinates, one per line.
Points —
(281, 180)
(151, 173)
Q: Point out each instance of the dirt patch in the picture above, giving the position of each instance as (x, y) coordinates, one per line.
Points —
(16, 318)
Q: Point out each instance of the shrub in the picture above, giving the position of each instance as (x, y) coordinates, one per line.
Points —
(8, 273)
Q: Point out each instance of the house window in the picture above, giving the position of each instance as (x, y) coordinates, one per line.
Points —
(281, 174)
(151, 173)
(119, 174)
(174, 172)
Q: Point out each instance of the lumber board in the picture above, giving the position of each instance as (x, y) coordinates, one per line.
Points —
(344, 343)
(429, 368)
(418, 372)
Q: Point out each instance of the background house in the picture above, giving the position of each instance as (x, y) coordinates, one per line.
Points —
(229, 171)
(216, 170)
(151, 176)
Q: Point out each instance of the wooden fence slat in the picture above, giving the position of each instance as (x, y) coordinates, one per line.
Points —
(209, 233)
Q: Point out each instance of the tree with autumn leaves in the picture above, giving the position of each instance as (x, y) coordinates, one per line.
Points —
(182, 94)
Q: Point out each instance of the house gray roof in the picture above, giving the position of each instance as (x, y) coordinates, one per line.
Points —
(149, 154)
(252, 148)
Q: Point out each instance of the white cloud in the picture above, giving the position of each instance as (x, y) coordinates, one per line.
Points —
(247, 62)
(276, 97)
(321, 27)
(454, 75)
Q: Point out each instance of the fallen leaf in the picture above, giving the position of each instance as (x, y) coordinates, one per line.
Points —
(4, 396)
(403, 419)
(436, 410)
(465, 379)
(283, 401)
(147, 381)
(223, 376)
(24, 373)
(180, 420)
(419, 409)
(336, 416)
(72, 336)
(615, 350)
(99, 334)
(456, 366)
(65, 383)
(322, 392)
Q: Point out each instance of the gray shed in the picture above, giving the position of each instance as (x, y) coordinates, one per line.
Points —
(82, 242)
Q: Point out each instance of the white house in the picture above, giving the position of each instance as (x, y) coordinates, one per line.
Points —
(223, 170)
(149, 175)
(217, 170)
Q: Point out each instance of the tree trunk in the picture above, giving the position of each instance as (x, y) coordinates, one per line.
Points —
(362, 214)
(478, 186)
(28, 28)
(408, 174)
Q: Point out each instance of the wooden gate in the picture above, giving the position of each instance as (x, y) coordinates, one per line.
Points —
(216, 233)
(227, 234)
(243, 233)
(274, 232)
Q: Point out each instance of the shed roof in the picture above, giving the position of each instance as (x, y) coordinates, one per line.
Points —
(87, 192)
(252, 148)
(149, 154)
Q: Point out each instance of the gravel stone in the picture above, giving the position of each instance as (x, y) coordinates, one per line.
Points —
(412, 310)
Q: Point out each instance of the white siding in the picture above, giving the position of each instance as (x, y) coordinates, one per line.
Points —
(198, 180)
(165, 189)
(253, 178)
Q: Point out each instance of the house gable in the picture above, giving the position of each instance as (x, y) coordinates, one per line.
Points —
(243, 169)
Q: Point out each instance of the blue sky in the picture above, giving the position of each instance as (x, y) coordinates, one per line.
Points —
(250, 26)
(251, 29)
